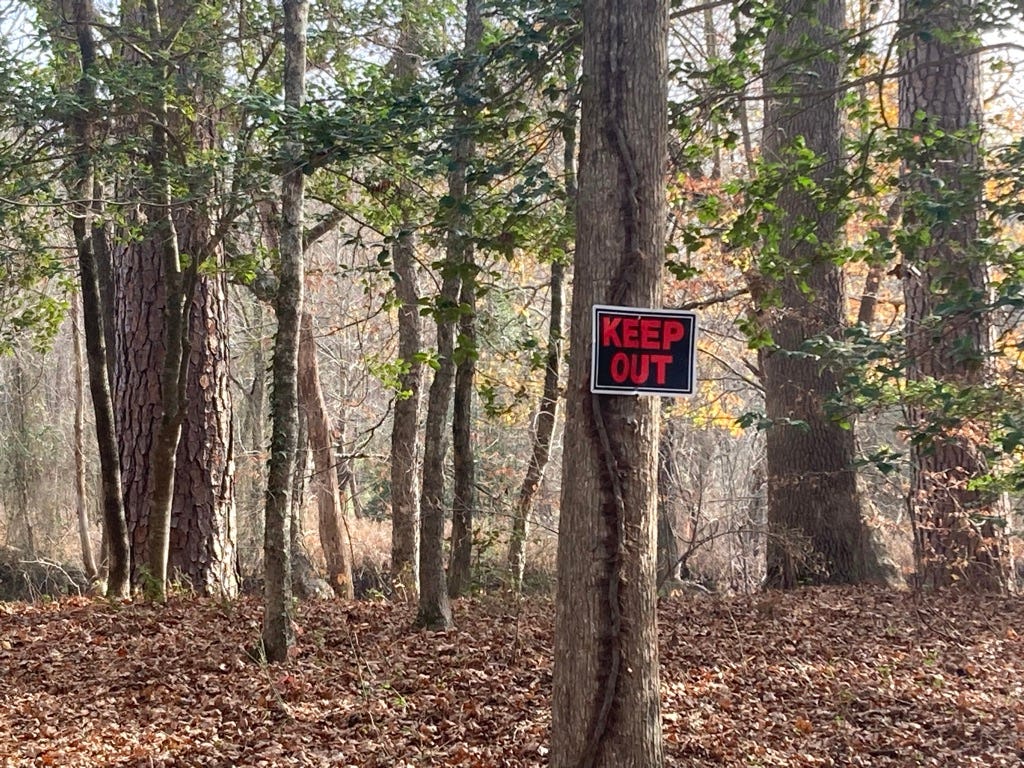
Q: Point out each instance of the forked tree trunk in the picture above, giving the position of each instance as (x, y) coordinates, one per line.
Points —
(434, 606)
(464, 491)
(330, 513)
(605, 702)
(434, 610)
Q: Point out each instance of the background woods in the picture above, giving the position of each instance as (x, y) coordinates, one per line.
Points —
(321, 257)
(834, 219)
(839, 210)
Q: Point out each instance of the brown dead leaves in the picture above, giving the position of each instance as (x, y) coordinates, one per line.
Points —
(834, 677)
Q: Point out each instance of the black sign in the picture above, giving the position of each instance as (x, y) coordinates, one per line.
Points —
(643, 351)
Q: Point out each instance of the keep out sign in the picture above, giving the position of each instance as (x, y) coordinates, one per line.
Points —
(643, 351)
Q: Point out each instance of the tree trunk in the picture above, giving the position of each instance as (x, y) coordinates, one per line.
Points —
(547, 410)
(23, 463)
(330, 513)
(81, 495)
(816, 533)
(278, 634)
(405, 511)
(544, 429)
(203, 520)
(177, 298)
(464, 471)
(94, 311)
(957, 538)
(434, 611)
(668, 543)
(605, 703)
(173, 406)
(434, 607)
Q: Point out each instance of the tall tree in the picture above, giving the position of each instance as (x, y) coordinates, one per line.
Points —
(816, 533)
(464, 480)
(94, 310)
(605, 703)
(177, 282)
(170, 321)
(434, 606)
(278, 634)
(945, 281)
(405, 511)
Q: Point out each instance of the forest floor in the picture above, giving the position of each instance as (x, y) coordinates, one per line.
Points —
(823, 677)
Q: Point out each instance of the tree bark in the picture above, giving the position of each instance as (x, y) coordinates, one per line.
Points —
(434, 607)
(81, 494)
(330, 513)
(171, 369)
(816, 532)
(668, 543)
(177, 298)
(434, 610)
(957, 539)
(405, 453)
(203, 536)
(278, 634)
(94, 310)
(464, 462)
(605, 704)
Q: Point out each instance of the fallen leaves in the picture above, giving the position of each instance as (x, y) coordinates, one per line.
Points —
(829, 677)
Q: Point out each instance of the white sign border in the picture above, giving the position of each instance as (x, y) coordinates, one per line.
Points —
(640, 311)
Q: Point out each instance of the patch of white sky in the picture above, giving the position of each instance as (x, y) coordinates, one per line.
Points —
(17, 36)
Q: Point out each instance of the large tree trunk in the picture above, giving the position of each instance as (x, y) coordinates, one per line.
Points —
(203, 525)
(330, 512)
(278, 634)
(939, 100)
(173, 329)
(816, 534)
(172, 402)
(605, 701)
(405, 511)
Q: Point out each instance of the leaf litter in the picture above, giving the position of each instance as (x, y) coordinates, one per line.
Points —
(817, 677)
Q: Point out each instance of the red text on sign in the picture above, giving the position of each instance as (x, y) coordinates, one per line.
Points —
(640, 332)
(636, 367)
